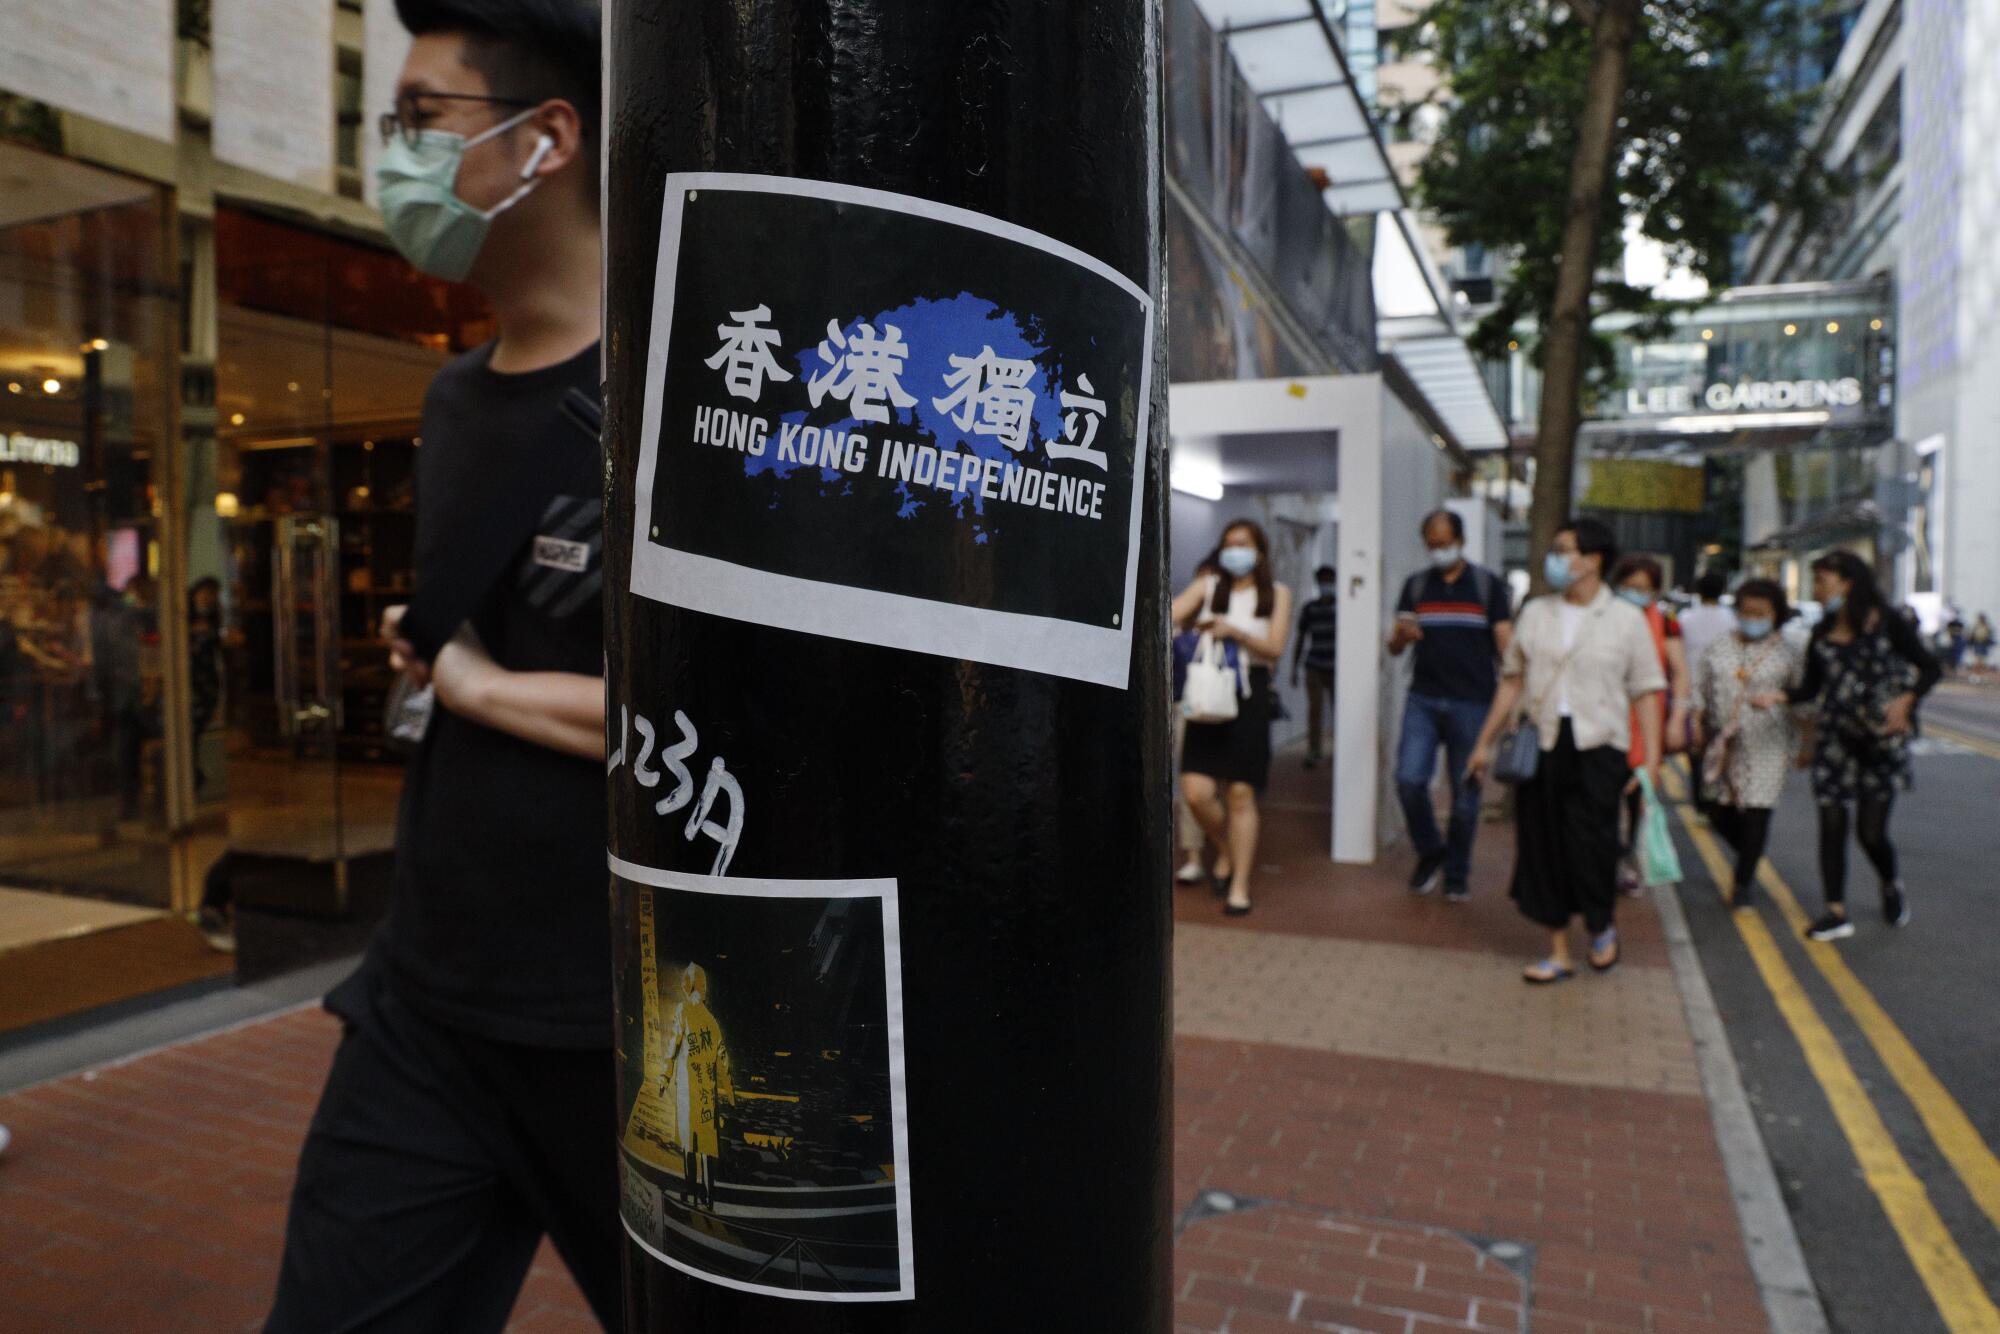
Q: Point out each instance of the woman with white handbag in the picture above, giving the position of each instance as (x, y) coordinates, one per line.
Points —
(1243, 615)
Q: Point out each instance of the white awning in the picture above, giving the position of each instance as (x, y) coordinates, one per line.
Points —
(1445, 372)
(1287, 53)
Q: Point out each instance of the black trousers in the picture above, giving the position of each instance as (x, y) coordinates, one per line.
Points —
(434, 1165)
(1566, 824)
(1746, 829)
(1871, 831)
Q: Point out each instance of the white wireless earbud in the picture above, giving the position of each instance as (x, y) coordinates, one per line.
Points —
(543, 147)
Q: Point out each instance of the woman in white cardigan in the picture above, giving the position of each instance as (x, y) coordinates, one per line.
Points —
(1580, 658)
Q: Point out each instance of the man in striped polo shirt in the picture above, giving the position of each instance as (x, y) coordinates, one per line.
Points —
(1318, 622)
(1460, 618)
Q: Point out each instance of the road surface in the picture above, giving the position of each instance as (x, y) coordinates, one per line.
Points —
(1873, 1064)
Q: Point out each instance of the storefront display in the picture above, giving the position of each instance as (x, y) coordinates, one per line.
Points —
(86, 339)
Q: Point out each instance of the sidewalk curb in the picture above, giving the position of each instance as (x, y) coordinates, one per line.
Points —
(1776, 1259)
(133, 1036)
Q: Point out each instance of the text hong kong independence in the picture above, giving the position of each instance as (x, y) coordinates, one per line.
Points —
(983, 395)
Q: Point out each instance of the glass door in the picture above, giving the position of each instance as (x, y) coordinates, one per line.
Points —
(282, 782)
(94, 719)
(86, 359)
(323, 351)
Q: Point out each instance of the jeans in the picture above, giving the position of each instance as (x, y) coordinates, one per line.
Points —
(1429, 722)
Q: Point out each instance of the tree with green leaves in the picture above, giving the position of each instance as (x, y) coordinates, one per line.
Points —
(1563, 118)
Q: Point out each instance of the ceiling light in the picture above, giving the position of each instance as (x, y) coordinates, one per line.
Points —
(1833, 326)
(235, 419)
(52, 385)
(13, 386)
(1707, 335)
(226, 505)
(1791, 329)
(1876, 325)
(96, 345)
(292, 386)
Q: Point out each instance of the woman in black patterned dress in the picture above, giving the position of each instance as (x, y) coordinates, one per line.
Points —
(1867, 667)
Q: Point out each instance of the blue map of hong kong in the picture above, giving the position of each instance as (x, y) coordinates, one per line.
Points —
(919, 399)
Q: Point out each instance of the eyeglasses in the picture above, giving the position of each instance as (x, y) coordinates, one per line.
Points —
(410, 113)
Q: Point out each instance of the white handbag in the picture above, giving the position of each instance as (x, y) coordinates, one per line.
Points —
(1214, 684)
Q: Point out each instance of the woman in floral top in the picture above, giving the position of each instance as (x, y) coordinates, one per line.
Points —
(1747, 748)
(1867, 667)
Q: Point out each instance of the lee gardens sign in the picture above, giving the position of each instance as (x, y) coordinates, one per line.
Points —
(1671, 400)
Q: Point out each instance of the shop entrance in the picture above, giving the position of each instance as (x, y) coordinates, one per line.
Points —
(304, 538)
(89, 639)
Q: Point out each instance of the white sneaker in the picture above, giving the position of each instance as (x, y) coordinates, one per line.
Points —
(1190, 873)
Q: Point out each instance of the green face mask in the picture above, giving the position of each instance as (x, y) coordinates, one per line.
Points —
(432, 227)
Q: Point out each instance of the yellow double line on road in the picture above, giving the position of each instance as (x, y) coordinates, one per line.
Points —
(1979, 745)
(1955, 1288)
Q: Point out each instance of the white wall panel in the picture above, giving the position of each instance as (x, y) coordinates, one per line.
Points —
(274, 88)
(112, 60)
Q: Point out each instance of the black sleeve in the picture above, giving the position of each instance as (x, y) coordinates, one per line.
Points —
(1499, 600)
(1815, 676)
(1408, 602)
(1910, 644)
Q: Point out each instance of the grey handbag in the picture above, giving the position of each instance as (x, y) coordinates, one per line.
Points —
(1519, 754)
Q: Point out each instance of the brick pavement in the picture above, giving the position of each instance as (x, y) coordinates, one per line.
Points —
(150, 1195)
(1377, 1128)
(1369, 1061)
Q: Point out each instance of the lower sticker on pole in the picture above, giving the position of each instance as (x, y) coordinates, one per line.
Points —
(764, 1143)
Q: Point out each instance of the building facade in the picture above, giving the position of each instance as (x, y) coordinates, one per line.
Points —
(1909, 117)
(212, 367)
(1754, 433)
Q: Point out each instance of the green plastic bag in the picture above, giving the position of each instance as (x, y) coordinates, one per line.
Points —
(1659, 862)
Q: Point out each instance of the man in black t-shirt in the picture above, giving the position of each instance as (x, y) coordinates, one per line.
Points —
(470, 1110)
(1459, 617)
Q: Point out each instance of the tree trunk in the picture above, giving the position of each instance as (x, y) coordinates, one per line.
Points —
(1564, 340)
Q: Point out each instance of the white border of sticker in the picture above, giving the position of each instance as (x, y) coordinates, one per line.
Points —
(892, 958)
(1101, 655)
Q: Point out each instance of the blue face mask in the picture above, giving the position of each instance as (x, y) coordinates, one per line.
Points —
(1558, 571)
(1239, 561)
(432, 227)
(1638, 599)
(1835, 603)
(1753, 628)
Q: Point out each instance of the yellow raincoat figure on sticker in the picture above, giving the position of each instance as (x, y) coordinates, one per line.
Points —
(699, 1058)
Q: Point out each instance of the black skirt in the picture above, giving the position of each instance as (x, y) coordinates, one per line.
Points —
(1566, 821)
(1238, 751)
